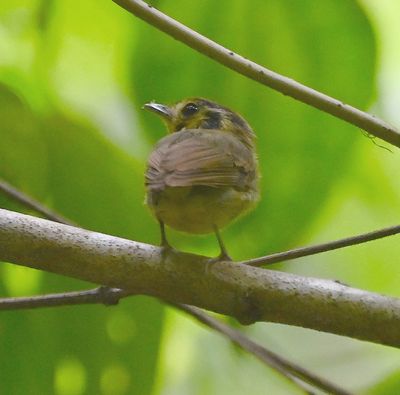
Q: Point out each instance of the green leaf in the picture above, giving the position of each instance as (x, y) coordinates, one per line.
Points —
(302, 151)
(389, 386)
(74, 169)
(23, 153)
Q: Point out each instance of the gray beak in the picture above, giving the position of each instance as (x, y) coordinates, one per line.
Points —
(159, 109)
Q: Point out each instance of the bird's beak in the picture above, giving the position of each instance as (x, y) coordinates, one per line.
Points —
(159, 109)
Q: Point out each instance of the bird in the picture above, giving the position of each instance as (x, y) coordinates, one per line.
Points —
(204, 173)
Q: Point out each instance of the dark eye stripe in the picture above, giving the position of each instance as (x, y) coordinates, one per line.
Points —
(189, 109)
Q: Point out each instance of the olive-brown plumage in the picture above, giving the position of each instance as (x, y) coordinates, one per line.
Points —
(204, 174)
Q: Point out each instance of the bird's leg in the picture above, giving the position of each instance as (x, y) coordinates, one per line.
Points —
(223, 256)
(165, 246)
(164, 241)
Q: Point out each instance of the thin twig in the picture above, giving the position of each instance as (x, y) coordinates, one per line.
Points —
(262, 353)
(112, 296)
(324, 247)
(32, 204)
(100, 295)
(254, 71)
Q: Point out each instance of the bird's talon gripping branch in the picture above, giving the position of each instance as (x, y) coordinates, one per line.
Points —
(224, 257)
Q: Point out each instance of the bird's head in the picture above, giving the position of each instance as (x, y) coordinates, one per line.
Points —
(199, 113)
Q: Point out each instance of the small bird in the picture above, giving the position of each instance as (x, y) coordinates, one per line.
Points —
(204, 173)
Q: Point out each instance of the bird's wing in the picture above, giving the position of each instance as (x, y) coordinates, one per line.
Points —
(211, 158)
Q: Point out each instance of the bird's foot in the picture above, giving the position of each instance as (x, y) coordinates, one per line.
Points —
(222, 257)
(166, 250)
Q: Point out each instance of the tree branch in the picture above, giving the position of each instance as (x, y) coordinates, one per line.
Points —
(324, 247)
(247, 293)
(112, 296)
(252, 70)
(99, 295)
(266, 356)
(31, 203)
(294, 253)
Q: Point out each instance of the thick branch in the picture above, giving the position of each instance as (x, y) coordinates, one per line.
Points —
(252, 70)
(294, 253)
(247, 293)
(109, 296)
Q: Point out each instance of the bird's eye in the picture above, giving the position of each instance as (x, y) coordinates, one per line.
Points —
(189, 109)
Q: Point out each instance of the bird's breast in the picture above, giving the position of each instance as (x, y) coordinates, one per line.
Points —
(197, 209)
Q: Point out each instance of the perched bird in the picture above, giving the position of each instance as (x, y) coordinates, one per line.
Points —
(205, 172)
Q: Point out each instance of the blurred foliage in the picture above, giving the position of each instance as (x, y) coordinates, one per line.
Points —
(389, 386)
(293, 140)
(73, 77)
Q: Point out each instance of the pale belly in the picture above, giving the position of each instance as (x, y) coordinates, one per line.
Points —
(198, 209)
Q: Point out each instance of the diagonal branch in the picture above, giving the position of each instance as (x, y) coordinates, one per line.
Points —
(272, 359)
(324, 247)
(111, 296)
(252, 70)
(299, 252)
(250, 294)
(31, 203)
(99, 295)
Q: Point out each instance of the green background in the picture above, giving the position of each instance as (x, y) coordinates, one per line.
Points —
(73, 78)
